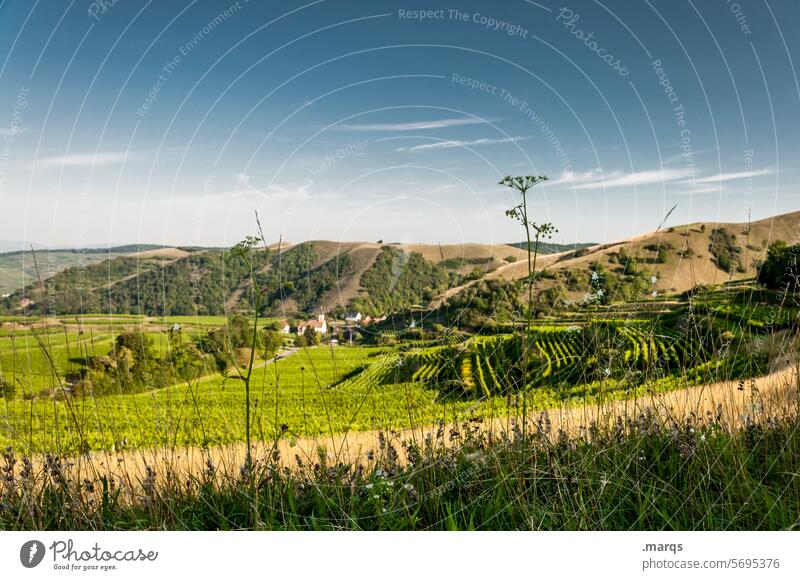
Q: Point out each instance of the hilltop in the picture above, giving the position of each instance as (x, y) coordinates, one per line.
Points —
(375, 277)
(681, 257)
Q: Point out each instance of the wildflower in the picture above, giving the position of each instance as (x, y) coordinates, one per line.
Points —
(600, 292)
(607, 372)
(376, 496)
(369, 486)
(702, 436)
(654, 293)
(476, 457)
(653, 279)
(595, 276)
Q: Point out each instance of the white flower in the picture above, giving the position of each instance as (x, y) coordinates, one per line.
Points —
(376, 496)
(654, 293)
(607, 372)
(595, 276)
(600, 293)
(702, 436)
(653, 279)
(369, 486)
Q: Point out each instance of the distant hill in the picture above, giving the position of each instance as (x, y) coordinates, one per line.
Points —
(306, 278)
(679, 257)
(18, 269)
(551, 248)
(302, 278)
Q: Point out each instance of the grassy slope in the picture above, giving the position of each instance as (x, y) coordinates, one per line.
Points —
(677, 274)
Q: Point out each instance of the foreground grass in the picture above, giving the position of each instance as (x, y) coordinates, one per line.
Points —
(642, 472)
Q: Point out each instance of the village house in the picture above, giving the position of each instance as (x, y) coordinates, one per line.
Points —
(319, 325)
(284, 327)
(353, 317)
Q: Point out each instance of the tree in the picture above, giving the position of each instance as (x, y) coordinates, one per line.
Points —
(780, 270)
(311, 336)
(273, 342)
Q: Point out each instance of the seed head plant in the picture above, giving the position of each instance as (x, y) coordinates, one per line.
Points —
(242, 251)
(545, 230)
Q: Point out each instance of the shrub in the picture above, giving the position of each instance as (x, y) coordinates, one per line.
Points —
(780, 270)
(725, 249)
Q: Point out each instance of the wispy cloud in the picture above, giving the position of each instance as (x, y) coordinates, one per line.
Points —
(735, 175)
(571, 177)
(87, 159)
(635, 179)
(597, 179)
(417, 125)
(451, 144)
(273, 192)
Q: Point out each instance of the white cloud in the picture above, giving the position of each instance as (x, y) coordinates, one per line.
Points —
(735, 175)
(243, 181)
(416, 126)
(87, 159)
(634, 179)
(571, 177)
(273, 192)
(596, 179)
(457, 143)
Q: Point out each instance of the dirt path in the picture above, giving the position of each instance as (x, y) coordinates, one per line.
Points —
(773, 395)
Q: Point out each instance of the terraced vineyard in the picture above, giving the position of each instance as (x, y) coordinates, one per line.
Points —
(565, 357)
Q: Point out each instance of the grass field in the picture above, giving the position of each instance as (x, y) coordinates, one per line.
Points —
(415, 433)
(325, 390)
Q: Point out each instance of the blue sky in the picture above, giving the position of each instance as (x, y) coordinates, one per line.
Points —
(171, 122)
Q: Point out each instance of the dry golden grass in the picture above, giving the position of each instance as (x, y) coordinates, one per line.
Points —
(729, 403)
(161, 254)
(680, 272)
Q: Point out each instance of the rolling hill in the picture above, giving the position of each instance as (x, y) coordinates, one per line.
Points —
(374, 278)
(681, 257)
